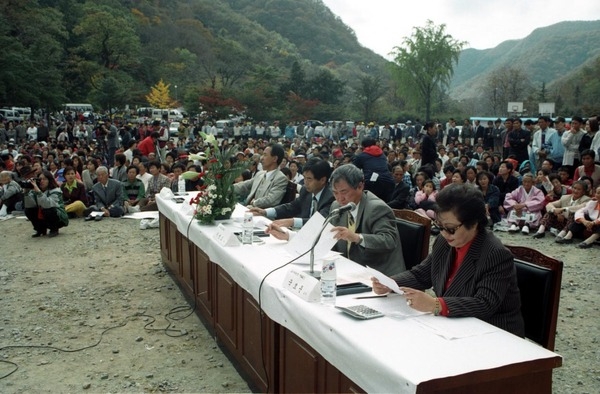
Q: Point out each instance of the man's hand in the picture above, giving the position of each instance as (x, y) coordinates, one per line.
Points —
(345, 234)
(289, 222)
(277, 232)
(258, 211)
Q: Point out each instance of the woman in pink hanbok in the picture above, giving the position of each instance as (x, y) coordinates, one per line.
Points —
(524, 206)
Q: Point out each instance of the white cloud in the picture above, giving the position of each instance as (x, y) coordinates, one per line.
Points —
(382, 24)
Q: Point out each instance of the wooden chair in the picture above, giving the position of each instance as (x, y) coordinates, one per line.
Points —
(539, 278)
(415, 231)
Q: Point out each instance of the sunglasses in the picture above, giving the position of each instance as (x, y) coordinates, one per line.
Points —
(450, 231)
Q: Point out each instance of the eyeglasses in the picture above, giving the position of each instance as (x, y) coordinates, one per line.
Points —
(450, 231)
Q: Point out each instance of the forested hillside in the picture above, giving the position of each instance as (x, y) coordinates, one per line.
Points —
(266, 58)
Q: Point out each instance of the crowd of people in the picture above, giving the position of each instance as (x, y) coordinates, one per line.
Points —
(533, 176)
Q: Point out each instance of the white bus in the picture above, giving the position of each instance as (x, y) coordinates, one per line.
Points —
(78, 107)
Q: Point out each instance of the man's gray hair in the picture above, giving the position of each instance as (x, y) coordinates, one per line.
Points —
(6, 174)
(349, 173)
(102, 169)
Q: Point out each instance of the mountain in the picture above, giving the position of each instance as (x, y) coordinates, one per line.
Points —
(547, 54)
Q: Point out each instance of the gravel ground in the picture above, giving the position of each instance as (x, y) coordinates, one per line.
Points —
(65, 292)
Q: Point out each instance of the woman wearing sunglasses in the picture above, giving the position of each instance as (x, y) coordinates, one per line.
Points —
(470, 271)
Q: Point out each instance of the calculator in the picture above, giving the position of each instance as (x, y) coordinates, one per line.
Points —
(360, 311)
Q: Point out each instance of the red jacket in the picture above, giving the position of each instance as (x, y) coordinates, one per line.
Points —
(147, 146)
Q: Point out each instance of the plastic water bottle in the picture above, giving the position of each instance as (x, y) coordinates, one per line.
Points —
(181, 185)
(248, 228)
(328, 279)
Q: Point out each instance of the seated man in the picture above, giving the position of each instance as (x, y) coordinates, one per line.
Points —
(315, 196)
(108, 197)
(267, 188)
(155, 185)
(133, 190)
(560, 211)
(399, 198)
(370, 239)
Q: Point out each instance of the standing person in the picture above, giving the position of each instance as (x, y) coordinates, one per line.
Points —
(504, 137)
(488, 137)
(467, 132)
(519, 141)
(112, 140)
(558, 149)
(453, 132)
(497, 133)
(44, 206)
(570, 141)
(479, 133)
(472, 274)
(373, 163)
(541, 145)
(428, 146)
(591, 128)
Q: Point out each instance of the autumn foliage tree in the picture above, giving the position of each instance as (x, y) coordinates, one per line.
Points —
(159, 96)
(214, 103)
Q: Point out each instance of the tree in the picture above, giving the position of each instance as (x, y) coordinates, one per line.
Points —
(504, 85)
(159, 96)
(368, 92)
(426, 61)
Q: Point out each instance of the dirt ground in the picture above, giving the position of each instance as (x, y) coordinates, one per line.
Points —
(66, 292)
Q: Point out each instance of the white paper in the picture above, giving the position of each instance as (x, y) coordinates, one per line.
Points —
(302, 241)
(385, 280)
(374, 177)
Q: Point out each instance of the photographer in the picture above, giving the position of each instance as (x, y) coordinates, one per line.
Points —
(44, 206)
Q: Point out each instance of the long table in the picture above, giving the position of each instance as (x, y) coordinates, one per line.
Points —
(290, 345)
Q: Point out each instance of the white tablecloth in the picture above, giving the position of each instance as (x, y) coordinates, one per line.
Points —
(387, 354)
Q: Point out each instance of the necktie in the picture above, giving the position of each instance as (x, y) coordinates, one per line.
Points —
(351, 227)
(543, 139)
(313, 206)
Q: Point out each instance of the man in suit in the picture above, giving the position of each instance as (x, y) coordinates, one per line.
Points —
(267, 188)
(428, 145)
(108, 196)
(399, 199)
(478, 133)
(368, 234)
(315, 196)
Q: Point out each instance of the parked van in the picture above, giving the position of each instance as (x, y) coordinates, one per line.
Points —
(10, 115)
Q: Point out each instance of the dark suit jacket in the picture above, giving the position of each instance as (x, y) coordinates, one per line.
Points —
(399, 199)
(300, 207)
(484, 287)
(376, 222)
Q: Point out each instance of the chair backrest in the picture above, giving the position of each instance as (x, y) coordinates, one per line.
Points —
(414, 231)
(290, 192)
(539, 278)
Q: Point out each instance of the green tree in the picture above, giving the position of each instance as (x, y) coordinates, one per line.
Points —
(112, 91)
(31, 37)
(369, 90)
(426, 60)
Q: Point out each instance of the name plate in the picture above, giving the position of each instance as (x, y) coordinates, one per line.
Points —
(303, 285)
(225, 237)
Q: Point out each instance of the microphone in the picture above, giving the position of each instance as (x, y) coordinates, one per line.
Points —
(348, 207)
(333, 214)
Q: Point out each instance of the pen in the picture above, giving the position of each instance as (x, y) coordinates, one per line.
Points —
(373, 296)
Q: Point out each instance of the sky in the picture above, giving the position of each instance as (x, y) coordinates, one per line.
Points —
(380, 25)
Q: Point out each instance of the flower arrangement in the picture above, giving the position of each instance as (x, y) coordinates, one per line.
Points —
(216, 199)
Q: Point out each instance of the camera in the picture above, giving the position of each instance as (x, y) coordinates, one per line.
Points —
(27, 183)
